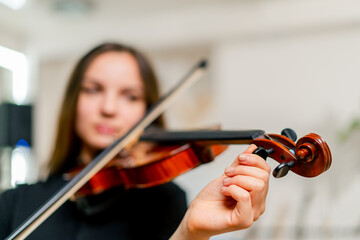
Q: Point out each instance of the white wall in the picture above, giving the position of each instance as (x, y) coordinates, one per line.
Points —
(51, 86)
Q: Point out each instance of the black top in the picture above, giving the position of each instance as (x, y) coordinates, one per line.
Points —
(150, 213)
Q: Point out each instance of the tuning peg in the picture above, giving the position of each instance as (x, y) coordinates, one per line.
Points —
(283, 169)
(289, 133)
(262, 152)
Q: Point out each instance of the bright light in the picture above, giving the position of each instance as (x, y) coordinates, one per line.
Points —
(19, 159)
(13, 4)
(18, 64)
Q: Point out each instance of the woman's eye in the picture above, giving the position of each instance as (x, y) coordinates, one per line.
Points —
(133, 97)
(88, 89)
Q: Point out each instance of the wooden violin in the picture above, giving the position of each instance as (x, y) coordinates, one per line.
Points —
(162, 156)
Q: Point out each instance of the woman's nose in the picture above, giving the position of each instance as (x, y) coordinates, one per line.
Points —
(108, 106)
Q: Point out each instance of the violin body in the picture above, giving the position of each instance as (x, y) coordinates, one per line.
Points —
(156, 165)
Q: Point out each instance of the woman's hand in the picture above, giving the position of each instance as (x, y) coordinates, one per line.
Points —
(229, 203)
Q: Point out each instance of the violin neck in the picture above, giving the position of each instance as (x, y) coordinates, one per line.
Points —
(203, 136)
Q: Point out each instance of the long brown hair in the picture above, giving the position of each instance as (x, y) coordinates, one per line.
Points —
(67, 142)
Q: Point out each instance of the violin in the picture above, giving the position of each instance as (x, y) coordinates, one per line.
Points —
(161, 156)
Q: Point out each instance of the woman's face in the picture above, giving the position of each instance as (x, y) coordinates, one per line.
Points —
(111, 100)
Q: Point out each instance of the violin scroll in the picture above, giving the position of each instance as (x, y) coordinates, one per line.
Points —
(314, 152)
(309, 157)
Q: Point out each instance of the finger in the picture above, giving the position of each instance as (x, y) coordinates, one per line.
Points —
(249, 150)
(243, 215)
(257, 189)
(246, 182)
(247, 171)
(253, 160)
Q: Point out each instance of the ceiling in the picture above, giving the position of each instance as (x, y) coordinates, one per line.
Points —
(52, 26)
(59, 28)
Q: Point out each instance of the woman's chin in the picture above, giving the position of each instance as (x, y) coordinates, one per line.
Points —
(102, 144)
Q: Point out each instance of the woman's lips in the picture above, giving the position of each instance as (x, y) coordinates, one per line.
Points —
(106, 130)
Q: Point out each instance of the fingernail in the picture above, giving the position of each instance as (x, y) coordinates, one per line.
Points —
(243, 157)
(229, 169)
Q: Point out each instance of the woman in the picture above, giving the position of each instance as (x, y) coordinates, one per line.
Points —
(109, 91)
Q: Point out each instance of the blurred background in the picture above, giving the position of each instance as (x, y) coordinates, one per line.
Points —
(273, 64)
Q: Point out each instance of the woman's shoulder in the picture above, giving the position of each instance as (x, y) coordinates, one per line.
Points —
(36, 191)
(18, 203)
